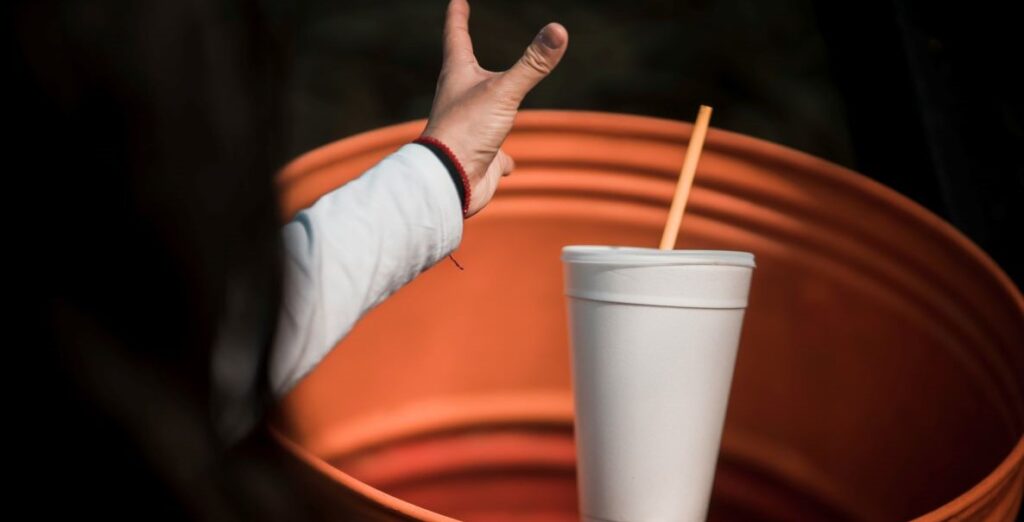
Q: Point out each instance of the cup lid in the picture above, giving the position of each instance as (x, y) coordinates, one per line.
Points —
(616, 255)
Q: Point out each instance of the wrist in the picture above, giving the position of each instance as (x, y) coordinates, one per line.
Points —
(454, 167)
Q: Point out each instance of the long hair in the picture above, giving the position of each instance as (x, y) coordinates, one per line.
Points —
(148, 133)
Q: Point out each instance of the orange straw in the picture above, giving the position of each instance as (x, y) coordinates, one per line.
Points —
(675, 214)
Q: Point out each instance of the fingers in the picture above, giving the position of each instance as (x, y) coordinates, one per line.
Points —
(538, 61)
(457, 44)
(505, 162)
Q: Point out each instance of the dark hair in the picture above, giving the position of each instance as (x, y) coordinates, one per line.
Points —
(148, 133)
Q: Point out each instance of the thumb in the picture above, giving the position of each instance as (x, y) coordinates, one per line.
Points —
(538, 61)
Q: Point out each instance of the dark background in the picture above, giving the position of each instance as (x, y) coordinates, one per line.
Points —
(916, 95)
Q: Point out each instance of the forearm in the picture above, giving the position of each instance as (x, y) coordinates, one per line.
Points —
(356, 246)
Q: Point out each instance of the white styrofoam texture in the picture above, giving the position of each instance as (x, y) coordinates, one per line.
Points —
(651, 385)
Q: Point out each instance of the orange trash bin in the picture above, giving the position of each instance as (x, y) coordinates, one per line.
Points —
(880, 374)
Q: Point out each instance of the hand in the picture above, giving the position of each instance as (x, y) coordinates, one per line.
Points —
(474, 108)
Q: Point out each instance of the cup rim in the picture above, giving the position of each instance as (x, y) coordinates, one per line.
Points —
(626, 255)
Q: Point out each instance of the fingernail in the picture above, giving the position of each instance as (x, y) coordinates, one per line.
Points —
(547, 38)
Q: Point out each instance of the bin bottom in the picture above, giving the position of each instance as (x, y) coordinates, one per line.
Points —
(527, 472)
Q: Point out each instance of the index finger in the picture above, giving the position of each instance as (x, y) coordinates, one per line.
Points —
(457, 44)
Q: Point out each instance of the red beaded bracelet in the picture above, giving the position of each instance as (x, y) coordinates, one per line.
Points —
(450, 162)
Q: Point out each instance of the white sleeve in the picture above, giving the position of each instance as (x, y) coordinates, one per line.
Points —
(356, 246)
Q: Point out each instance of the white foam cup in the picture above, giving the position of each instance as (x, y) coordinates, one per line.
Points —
(654, 338)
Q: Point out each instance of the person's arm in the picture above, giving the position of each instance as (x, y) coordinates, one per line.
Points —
(356, 246)
(360, 243)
